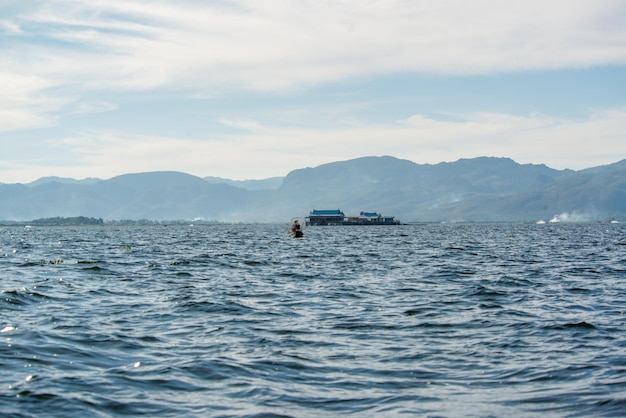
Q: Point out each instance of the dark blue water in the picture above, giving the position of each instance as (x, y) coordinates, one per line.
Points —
(240, 320)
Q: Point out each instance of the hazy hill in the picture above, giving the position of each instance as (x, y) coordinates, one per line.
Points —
(168, 196)
(156, 195)
(445, 191)
(271, 183)
(479, 189)
(592, 194)
(66, 180)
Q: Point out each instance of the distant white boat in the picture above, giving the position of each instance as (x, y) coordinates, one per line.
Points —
(540, 222)
(554, 220)
(614, 222)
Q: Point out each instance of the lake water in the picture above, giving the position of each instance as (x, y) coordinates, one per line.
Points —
(241, 320)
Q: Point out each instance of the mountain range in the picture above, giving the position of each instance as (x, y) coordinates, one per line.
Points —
(477, 189)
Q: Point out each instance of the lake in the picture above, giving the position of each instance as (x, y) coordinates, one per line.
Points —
(468, 320)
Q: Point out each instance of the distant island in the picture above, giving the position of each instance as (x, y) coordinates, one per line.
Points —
(56, 221)
(468, 190)
(83, 220)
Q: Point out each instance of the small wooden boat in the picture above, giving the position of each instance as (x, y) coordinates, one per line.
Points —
(295, 230)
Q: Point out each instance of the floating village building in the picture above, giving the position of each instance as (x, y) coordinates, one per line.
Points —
(327, 217)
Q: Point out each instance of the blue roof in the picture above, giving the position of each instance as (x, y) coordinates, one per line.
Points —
(326, 212)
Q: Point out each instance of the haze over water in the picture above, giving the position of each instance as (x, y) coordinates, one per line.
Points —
(241, 320)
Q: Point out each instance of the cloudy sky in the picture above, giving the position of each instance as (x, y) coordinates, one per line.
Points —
(249, 89)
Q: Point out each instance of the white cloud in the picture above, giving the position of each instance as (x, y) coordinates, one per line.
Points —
(283, 44)
(22, 105)
(9, 27)
(90, 107)
(247, 125)
(55, 50)
(274, 151)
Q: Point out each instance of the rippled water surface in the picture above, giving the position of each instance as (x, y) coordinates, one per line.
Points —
(241, 320)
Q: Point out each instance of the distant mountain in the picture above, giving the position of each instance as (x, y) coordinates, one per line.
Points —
(478, 189)
(272, 183)
(445, 191)
(65, 180)
(156, 196)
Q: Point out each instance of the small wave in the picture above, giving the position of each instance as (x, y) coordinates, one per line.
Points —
(22, 297)
(583, 325)
(572, 325)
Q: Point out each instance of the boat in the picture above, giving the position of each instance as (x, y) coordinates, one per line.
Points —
(326, 217)
(295, 231)
(296, 234)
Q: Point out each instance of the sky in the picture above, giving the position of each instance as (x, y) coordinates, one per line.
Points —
(248, 89)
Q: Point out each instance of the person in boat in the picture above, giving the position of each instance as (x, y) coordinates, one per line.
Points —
(295, 226)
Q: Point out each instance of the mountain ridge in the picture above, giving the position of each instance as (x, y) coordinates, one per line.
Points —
(475, 189)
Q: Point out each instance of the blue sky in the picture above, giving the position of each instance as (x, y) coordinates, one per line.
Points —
(247, 89)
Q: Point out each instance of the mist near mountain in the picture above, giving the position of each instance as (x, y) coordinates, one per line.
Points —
(477, 189)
